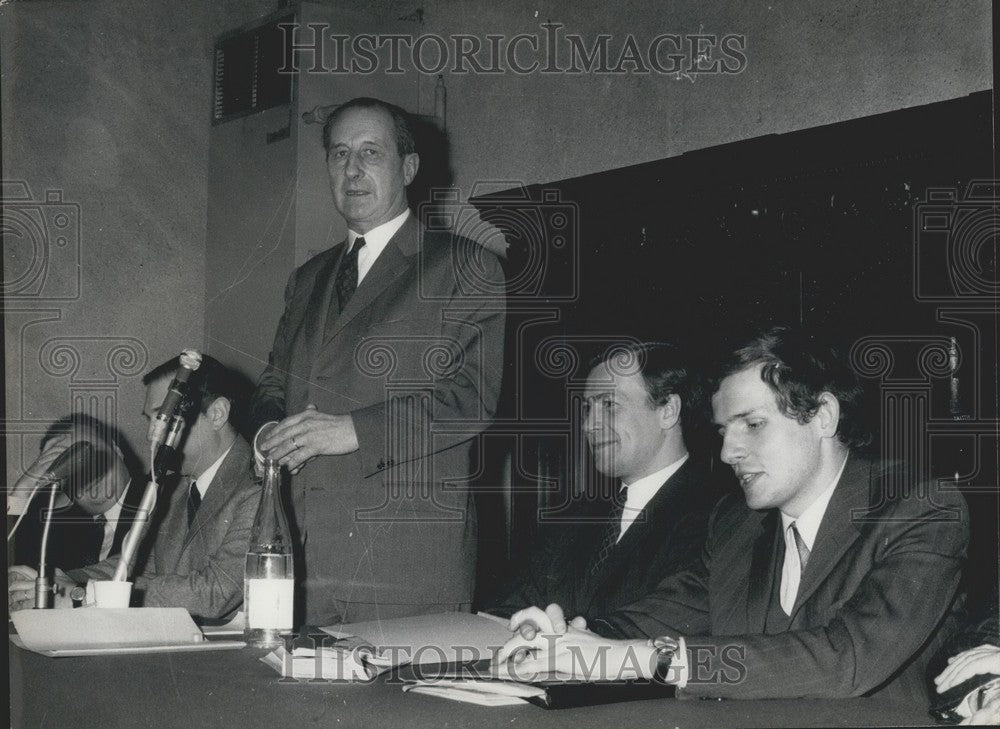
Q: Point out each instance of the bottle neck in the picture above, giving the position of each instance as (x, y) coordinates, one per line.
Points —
(270, 533)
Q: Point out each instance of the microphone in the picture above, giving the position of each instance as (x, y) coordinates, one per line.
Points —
(167, 458)
(190, 361)
(72, 470)
(75, 464)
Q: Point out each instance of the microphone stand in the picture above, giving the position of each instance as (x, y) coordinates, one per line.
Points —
(160, 457)
(43, 585)
(75, 462)
(137, 531)
(190, 360)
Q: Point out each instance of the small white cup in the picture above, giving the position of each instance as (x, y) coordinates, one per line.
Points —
(111, 594)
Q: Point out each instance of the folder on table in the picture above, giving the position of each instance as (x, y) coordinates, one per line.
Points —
(109, 631)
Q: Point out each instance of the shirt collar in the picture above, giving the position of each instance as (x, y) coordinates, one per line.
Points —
(640, 492)
(650, 484)
(208, 475)
(378, 237)
(808, 522)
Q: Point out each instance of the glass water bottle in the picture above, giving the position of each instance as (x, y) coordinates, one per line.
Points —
(269, 580)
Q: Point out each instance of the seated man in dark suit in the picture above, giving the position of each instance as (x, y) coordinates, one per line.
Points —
(604, 555)
(831, 579)
(91, 513)
(195, 551)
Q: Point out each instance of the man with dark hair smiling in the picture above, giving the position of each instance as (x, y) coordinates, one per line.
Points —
(830, 578)
(606, 552)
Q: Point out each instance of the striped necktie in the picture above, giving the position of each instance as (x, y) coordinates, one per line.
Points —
(347, 277)
(801, 548)
(611, 534)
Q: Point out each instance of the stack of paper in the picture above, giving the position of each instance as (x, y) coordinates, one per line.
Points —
(484, 693)
(444, 638)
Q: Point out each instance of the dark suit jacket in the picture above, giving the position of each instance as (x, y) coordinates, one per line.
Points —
(415, 358)
(200, 568)
(878, 595)
(74, 539)
(666, 537)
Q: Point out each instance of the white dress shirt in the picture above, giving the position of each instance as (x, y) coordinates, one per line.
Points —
(807, 525)
(376, 240)
(208, 475)
(644, 489)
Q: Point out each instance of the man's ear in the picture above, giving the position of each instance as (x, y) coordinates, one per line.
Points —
(827, 416)
(670, 411)
(218, 412)
(411, 163)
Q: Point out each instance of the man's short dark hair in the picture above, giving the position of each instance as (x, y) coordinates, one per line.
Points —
(798, 367)
(210, 381)
(665, 372)
(405, 143)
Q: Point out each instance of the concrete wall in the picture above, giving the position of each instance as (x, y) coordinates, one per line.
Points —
(108, 104)
(809, 63)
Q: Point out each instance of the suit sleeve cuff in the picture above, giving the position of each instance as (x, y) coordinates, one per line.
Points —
(679, 665)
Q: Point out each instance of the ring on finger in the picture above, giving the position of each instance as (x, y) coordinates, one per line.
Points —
(296, 445)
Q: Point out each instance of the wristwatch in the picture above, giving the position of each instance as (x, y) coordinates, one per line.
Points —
(666, 648)
(77, 595)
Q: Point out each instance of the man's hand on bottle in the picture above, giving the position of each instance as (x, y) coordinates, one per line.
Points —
(299, 438)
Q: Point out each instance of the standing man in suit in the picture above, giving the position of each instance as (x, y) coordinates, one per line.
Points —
(385, 366)
(93, 512)
(194, 554)
(830, 578)
(607, 554)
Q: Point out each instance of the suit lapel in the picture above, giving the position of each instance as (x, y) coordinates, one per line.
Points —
(391, 263)
(666, 498)
(836, 532)
(172, 531)
(595, 582)
(763, 572)
(670, 498)
(322, 309)
(225, 480)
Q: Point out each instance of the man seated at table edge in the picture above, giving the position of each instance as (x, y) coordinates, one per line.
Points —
(604, 552)
(194, 554)
(879, 592)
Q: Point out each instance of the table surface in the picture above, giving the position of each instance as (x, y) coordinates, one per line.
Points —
(222, 689)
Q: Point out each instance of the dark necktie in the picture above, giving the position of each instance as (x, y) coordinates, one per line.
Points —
(611, 532)
(99, 521)
(194, 501)
(347, 276)
(800, 546)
